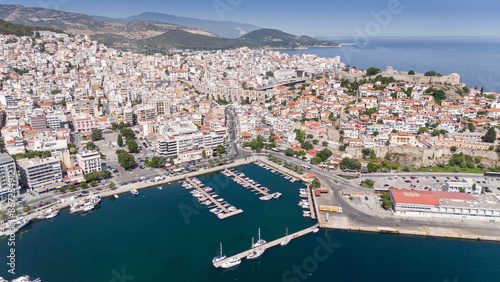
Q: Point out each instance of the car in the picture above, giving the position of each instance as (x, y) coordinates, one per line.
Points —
(484, 182)
(99, 189)
(433, 177)
(404, 177)
(437, 180)
(386, 185)
(447, 177)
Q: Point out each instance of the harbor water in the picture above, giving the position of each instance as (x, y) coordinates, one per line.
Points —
(165, 235)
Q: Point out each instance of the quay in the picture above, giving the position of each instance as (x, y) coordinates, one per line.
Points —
(251, 186)
(271, 244)
(227, 213)
(278, 168)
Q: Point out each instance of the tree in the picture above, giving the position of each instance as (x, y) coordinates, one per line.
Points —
(411, 72)
(72, 187)
(348, 163)
(430, 73)
(93, 183)
(453, 148)
(289, 152)
(90, 146)
(375, 133)
(386, 201)
(83, 184)
(204, 154)
(324, 154)
(112, 185)
(119, 140)
(315, 183)
(422, 130)
(127, 133)
(490, 136)
(372, 167)
(307, 146)
(372, 71)
(394, 131)
(125, 159)
(310, 136)
(315, 141)
(315, 160)
(221, 150)
(132, 146)
(324, 143)
(72, 150)
(96, 134)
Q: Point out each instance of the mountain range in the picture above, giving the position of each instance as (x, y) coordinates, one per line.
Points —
(136, 33)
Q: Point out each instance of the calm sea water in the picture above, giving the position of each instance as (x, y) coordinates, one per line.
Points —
(475, 59)
(162, 235)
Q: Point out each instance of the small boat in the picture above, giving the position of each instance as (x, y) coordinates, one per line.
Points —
(267, 198)
(25, 278)
(287, 239)
(316, 230)
(218, 257)
(159, 187)
(277, 195)
(134, 192)
(116, 196)
(44, 214)
(169, 183)
(256, 251)
(231, 262)
(52, 214)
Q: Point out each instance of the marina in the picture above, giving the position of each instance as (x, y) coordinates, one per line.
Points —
(225, 211)
(274, 169)
(252, 185)
(268, 245)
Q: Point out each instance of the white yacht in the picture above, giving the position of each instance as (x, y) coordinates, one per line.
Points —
(52, 214)
(267, 198)
(116, 196)
(134, 192)
(316, 230)
(85, 204)
(287, 239)
(44, 214)
(256, 251)
(259, 242)
(277, 195)
(231, 262)
(219, 257)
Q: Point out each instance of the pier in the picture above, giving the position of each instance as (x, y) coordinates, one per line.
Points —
(251, 186)
(271, 244)
(277, 168)
(311, 204)
(227, 213)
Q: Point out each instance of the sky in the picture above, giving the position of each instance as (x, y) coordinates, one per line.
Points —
(322, 18)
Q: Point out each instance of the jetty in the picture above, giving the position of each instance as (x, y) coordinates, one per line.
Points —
(311, 204)
(271, 244)
(255, 187)
(226, 212)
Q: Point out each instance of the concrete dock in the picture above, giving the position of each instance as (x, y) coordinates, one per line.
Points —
(227, 213)
(251, 186)
(271, 244)
(311, 204)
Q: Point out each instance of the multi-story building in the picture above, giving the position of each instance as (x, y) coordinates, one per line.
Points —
(173, 146)
(38, 122)
(146, 112)
(464, 185)
(84, 124)
(89, 161)
(8, 177)
(128, 116)
(36, 173)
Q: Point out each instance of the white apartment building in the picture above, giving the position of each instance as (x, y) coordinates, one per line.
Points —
(173, 146)
(36, 173)
(8, 177)
(89, 161)
(465, 185)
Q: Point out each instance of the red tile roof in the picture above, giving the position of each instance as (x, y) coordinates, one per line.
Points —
(414, 197)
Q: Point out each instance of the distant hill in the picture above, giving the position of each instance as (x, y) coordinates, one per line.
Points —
(278, 39)
(21, 30)
(144, 35)
(184, 40)
(227, 29)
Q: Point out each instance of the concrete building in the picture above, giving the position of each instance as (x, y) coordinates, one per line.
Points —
(38, 122)
(464, 185)
(146, 112)
(36, 173)
(128, 116)
(89, 161)
(444, 204)
(8, 177)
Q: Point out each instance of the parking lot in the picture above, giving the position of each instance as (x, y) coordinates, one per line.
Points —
(430, 182)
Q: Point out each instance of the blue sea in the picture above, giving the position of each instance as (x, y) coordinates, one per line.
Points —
(477, 60)
(163, 235)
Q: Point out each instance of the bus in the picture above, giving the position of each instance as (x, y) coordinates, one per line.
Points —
(306, 167)
(275, 149)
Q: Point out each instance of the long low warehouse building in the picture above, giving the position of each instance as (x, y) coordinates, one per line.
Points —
(444, 204)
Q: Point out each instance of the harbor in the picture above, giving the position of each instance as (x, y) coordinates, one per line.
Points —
(252, 185)
(222, 210)
(271, 244)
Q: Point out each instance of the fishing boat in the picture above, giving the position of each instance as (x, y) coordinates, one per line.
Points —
(267, 198)
(134, 192)
(219, 257)
(26, 278)
(44, 214)
(256, 251)
(85, 204)
(259, 242)
(231, 262)
(287, 239)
